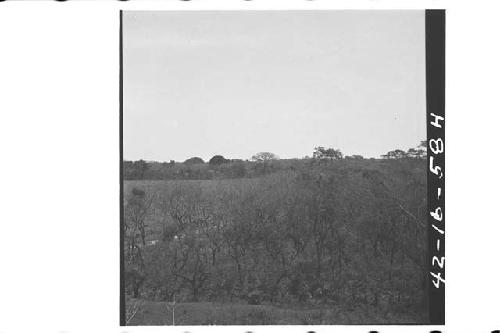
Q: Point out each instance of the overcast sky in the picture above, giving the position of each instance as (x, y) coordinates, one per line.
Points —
(237, 83)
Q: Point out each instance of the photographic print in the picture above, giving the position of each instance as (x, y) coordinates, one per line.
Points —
(274, 168)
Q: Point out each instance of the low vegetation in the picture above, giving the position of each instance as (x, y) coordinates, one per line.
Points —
(322, 240)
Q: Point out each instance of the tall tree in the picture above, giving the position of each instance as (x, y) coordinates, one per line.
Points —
(265, 159)
(323, 153)
(218, 160)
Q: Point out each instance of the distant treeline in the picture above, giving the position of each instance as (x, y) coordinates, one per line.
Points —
(262, 163)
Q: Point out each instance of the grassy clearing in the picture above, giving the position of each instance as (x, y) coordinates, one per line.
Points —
(211, 313)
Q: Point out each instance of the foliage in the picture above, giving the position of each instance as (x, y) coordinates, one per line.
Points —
(265, 162)
(194, 160)
(136, 210)
(310, 234)
(354, 157)
(135, 169)
(264, 157)
(322, 153)
(218, 160)
(418, 152)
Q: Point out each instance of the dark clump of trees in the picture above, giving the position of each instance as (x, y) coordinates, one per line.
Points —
(418, 152)
(354, 157)
(335, 232)
(194, 160)
(323, 153)
(135, 169)
(218, 160)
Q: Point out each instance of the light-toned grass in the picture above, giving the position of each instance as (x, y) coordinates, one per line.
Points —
(211, 313)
